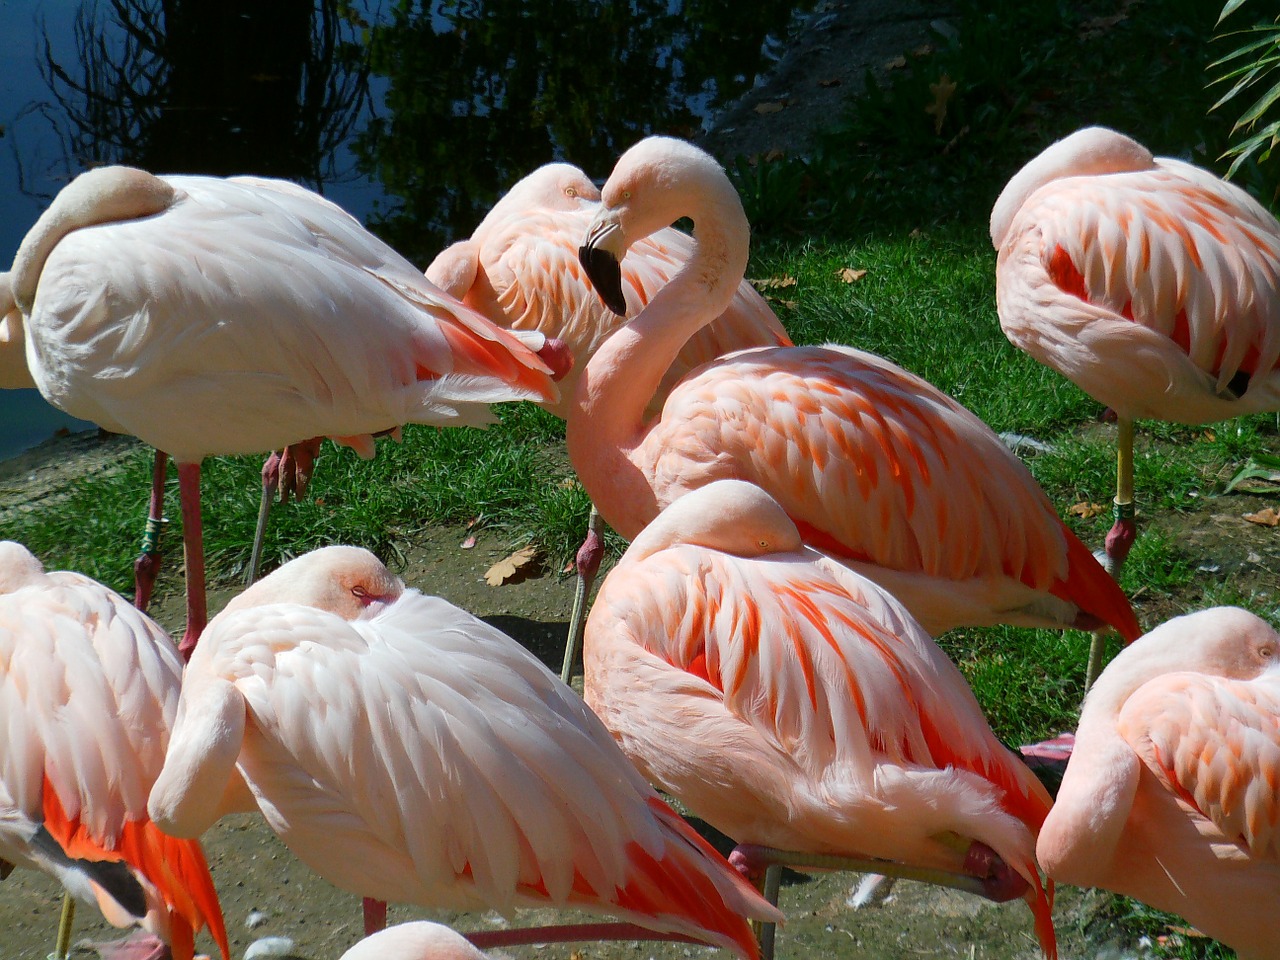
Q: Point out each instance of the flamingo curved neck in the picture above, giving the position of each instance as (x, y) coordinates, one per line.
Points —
(104, 195)
(606, 420)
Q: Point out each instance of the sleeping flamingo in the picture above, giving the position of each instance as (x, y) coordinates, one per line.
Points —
(1170, 795)
(209, 316)
(409, 752)
(795, 705)
(1149, 282)
(88, 691)
(520, 269)
(874, 465)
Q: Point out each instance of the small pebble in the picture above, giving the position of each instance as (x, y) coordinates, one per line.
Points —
(279, 948)
(256, 919)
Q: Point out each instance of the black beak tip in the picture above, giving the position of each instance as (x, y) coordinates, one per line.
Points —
(605, 274)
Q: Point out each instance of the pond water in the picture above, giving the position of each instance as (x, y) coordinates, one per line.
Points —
(413, 116)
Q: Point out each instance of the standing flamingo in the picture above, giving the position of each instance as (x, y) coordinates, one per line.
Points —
(875, 465)
(1149, 282)
(14, 374)
(1171, 793)
(795, 705)
(520, 269)
(88, 691)
(409, 752)
(209, 316)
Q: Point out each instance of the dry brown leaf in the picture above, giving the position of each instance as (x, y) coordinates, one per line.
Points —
(850, 275)
(772, 106)
(942, 91)
(897, 63)
(923, 50)
(1269, 517)
(774, 155)
(1097, 26)
(1085, 509)
(773, 283)
(1208, 435)
(829, 82)
(519, 564)
(472, 522)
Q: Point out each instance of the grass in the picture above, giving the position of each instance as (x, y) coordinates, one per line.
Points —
(886, 193)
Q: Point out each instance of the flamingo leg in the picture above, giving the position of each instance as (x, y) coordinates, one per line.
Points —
(270, 483)
(572, 933)
(62, 945)
(147, 567)
(193, 553)
(587, 562)
(1121, 535)
(375, 916)
(983, 873)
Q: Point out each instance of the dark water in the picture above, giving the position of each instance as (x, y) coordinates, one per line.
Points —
(415, 117)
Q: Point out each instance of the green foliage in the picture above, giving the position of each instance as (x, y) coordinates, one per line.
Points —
(1248, 68)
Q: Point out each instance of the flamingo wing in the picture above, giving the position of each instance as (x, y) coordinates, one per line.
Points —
(1215, 744)
(422, 755)
(88, 690)
(246, 295)
(881, 469)
(1168, 275)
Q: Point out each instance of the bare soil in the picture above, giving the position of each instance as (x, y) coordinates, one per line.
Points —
(266, 892)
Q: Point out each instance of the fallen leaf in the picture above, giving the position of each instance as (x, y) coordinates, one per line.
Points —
(850, 275)
(570, 567)
(519, 564)
(942, 91)
(1085, 509)
(923, 50)
(786, 304)
(468, 543)
(772, 106)
(897, 63)
(1270, 517)
(1097, 26)
(1208, 435)
(773, 283)
(774, 155)
(472, 522)
(829, 82)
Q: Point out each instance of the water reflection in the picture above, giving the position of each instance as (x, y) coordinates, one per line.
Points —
(479, 92)
(415, 116)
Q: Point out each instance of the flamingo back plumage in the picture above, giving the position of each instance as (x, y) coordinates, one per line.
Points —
(1156, 290)
(817, 690)
(88, 690)
(462, 773)
(883, 470)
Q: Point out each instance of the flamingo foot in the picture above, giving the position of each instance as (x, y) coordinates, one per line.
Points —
(1000, 881)
(293, 468)
(136, 946)
(1120, 539)
(555, 353)
(145, 570)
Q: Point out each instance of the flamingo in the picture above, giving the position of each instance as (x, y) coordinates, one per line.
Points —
(14, 374)
(419, 940)
(212, 316)
(874, 465)
(793, 704)
(1149, 282)
(1170, 795)
(520, 269)
(88, 691)
(409, 752)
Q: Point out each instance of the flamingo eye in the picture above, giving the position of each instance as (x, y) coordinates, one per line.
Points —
(1267, 652)
(626, 194)
(360, 593)
(570, 191)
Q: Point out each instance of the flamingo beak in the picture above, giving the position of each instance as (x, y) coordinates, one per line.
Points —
(600, 255)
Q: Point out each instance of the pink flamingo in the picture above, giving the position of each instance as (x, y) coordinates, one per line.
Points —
(14, 374)
(419, 940)
(520, 269)
(797, 706)
(875, 466)
(409, 752)
(1149, 282)
(209, 316)
(1170, 795)
(88, 691)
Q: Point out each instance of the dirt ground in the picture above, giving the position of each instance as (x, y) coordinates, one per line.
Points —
(266, 892)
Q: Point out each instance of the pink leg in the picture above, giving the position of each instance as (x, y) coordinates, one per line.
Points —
(375, 916)
(193, 552)
(147, 567)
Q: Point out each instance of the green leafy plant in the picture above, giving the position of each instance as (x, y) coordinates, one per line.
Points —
(1251, 66)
